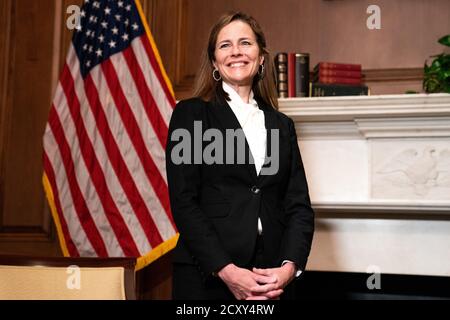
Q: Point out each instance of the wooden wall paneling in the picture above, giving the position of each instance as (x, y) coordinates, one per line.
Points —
(65, 33)
(330, 30)
(57, 31)
(183, 79)
(148, 8)
(393, 81)
(25, 224)
(168, 28)
(154, 282)
(199, 18)
(8, 16)
(5, 24)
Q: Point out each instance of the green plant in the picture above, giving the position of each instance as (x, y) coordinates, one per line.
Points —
(437, 75)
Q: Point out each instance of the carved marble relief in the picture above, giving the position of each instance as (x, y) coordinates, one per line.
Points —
(411, 172)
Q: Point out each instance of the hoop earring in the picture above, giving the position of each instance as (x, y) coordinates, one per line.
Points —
(214, 75)
(261, 71)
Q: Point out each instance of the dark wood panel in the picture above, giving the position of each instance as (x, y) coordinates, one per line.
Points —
(168, 27)
(25, 225)
(148, 8)
(5, 22)
(65, 33)
(155, 281)
(31, 46)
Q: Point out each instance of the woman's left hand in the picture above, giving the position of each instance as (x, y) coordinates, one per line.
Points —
(283, 275)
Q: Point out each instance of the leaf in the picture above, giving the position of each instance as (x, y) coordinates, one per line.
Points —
(446, 88)
(437, 74)
(432, 85)
(436, 64)
(445, 40)
(445, 61)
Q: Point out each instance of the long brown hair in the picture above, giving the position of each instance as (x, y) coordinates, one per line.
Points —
(263, 87)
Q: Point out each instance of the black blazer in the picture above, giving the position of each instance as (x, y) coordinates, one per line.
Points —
(216, 207)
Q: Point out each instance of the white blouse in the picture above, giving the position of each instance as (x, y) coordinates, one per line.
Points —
(251, 119)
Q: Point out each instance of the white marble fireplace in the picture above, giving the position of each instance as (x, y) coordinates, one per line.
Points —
(378, 168)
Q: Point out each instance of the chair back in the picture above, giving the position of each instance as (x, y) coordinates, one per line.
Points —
(43, 278)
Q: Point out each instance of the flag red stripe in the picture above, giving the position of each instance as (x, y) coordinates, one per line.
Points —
(78, 200)
(96, 173)
(150, 106)
(73, 251)
(152, 172)
(148, 48)
(120, 167)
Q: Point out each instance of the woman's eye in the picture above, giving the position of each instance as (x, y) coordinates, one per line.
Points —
(224, 45)
(246, 43)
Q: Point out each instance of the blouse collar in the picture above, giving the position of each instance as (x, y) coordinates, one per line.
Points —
(236, 98)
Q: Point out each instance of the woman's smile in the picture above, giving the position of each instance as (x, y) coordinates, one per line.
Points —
(237, 54)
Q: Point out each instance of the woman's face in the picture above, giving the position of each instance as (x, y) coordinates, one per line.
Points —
(237, 54)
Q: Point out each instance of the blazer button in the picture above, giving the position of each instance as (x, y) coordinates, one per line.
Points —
(255, 190)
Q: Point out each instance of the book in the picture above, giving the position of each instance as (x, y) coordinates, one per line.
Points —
(291, 74)
(281, 73)
(337, 80)
(322, 72)
(301, 74)
(337, 66)
(326, 90)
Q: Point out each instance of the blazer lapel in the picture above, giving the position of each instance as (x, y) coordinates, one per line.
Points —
(226, 117)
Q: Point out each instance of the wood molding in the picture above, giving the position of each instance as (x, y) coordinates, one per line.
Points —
(5, 24)
(396, 75)
(26, 234)
(389, 75)
(6, 13)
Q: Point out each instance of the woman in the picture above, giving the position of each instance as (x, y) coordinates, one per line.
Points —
(244, 217)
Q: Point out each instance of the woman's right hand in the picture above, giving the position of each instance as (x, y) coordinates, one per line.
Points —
(240, 281)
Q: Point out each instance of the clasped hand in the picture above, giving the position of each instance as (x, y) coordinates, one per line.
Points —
(257, 284)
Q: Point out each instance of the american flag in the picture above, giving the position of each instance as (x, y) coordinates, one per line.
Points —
(104, 166)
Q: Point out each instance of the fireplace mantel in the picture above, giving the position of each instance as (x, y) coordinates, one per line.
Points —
(353, 107)
(378, 169)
